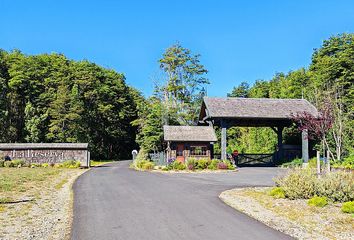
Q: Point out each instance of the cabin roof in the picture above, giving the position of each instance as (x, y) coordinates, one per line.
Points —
(189, 133)
(254, 108)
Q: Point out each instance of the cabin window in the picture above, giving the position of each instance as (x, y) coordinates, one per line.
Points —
(198, 150)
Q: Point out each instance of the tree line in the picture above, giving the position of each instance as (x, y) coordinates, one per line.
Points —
(49, 98)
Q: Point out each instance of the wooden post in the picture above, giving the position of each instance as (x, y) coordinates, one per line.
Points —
(305, 147)
(318, 163)
(328, 162)
(223, 140)
(280, 143)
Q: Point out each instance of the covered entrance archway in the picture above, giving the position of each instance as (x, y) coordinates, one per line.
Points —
(255, 112)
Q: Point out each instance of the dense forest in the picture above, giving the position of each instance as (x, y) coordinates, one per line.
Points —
(49, 98)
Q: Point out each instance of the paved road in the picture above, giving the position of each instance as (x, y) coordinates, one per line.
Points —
(115, 202)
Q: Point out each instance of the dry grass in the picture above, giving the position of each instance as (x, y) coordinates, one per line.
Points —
(33, 199)
(286, 215)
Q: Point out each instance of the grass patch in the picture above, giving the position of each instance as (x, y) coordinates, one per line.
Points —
(61, 184)
(23, 179)
(94, 163)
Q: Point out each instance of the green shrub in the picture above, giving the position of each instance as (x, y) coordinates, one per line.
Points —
(348, 207)
(337, 186)
(148, 165)
(229, 165)
(298, 183)
(304, 183)
(202, 164)
(317, 201)
(294, 163)
(191, 163)
(70, 164)
(45, 165)
(145, 165)
(8, 164)
(35, 165)
(176, 165)
(18, 162)
(2, 163)
(213, 164)
(312, 163)
(277, 192)
(347, 163)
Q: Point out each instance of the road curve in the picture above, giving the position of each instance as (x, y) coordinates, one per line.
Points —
(115, 202)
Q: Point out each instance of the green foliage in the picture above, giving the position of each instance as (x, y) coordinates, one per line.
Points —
(8, 164)
(145, 165)
(297, 162)
(348, 207)
(2, 162)
(213, 164)
(347, 163)
(317, 201)
(191, 163)
(49, 98)
(70, 164)
(202, 164)
(298, 183)
(304, 183)
(229, 165)
(241, 91)
(18, 162)
(277, 192)
(337, 186)
(176, 165)
(45, 165)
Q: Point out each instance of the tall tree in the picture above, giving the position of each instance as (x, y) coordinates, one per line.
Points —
(183, 88)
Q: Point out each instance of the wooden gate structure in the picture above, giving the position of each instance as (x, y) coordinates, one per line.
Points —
(255, 112)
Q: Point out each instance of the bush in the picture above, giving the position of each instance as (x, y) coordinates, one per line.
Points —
(293, 164)
(70, 164)
(2, 163)
(35, 165)
(145, 165)
(277, 192)
(45, 165)
(348, 207)
(313, 163)
(230, 166)
(176, 165)
(8, 164)
(18, 162)
(317, 201)
(213, 164)
(222, 166)
(191, 163)
(304, 183)
(298, 183)
(347, 163)
(337, 186)
(202, 164)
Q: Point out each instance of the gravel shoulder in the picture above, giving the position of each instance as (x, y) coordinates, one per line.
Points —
(37, 206)
(293, 217)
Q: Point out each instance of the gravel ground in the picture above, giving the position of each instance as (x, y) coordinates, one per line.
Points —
(49, 216)
(293, 217)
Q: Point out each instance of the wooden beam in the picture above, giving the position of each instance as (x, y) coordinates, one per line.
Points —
(223, 139)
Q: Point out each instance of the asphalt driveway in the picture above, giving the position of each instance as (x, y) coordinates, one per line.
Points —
(115, 202)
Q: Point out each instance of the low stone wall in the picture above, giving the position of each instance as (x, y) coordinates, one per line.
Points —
(47, 152)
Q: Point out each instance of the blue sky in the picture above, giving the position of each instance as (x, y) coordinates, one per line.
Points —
(238, 40)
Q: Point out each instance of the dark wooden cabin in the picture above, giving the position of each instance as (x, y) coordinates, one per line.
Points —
(189, 141)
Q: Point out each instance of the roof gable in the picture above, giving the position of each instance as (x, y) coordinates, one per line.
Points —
(262, 108)
(189, 133)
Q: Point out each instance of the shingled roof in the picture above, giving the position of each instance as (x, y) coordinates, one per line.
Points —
(189, 133)
(266, 108)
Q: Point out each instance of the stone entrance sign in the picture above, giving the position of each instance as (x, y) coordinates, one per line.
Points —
(47, 152)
